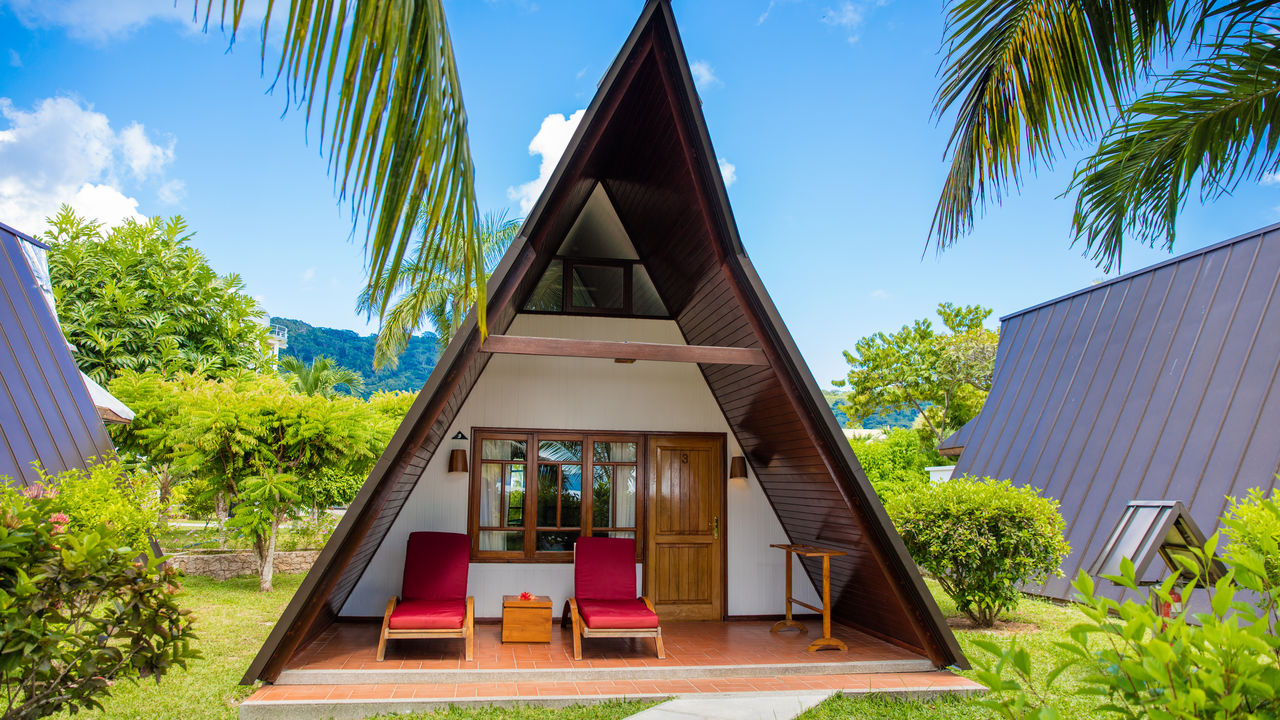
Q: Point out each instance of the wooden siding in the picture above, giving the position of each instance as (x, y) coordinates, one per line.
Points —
(46, 413)
(1158, 385)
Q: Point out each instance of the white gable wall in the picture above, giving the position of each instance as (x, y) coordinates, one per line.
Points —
(552, 393)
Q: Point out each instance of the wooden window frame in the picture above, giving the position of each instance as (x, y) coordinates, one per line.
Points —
(566, 289)
(531, 462)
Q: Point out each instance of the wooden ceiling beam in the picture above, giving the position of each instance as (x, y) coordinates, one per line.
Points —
(624, 351)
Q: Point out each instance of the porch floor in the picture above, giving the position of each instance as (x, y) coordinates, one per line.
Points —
(337, 675)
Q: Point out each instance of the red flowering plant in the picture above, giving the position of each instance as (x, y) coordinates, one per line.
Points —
(526, 596)
(79, 609)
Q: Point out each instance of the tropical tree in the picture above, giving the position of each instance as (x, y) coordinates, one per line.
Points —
(944, 376)
(442, 296)
(1027, 79)
(322, 377)
(139, 297)
(390, 111)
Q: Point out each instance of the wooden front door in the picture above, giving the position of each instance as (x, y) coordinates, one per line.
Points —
(684, 574)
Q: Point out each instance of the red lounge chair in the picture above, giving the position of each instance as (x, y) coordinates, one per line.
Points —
(433, 600)
(604, 587)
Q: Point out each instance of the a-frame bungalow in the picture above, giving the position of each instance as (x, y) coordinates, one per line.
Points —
(632, 356)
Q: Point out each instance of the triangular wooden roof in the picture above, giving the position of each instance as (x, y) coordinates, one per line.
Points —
(644, 139)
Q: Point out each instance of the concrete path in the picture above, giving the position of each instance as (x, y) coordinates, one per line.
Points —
(735, 706)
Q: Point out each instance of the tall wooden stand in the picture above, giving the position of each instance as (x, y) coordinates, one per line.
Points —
(826, 642)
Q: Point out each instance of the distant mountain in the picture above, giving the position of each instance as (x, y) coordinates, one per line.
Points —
(354, 351)
(881, 420)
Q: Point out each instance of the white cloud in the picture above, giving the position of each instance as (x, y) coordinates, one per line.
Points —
(552, 138)
(1271, 178)
(15, 60)
(309, 274)
(879, 294)
(729, 172)
(172, 192)
(62, 151)
(850, 16)
(772, 4)
(704, 76)
(101, 20)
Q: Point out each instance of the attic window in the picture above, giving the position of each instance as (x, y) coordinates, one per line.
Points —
(1150, 529)
(596, 286)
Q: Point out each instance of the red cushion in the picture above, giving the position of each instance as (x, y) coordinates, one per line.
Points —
(604, 569)
(616, 614)
(435, 566)
(428, 615)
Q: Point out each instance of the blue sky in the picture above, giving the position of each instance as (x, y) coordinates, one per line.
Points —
(822, 107)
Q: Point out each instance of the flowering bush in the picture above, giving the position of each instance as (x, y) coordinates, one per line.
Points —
(78, 609)
(121, 502)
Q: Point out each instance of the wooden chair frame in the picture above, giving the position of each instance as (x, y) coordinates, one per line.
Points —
(580, 630)
(466, 632)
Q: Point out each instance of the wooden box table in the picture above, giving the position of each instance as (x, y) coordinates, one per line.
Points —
(826, 641)
(526, 621)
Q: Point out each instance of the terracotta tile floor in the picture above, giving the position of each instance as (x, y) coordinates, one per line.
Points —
(352, 646)
(939, 681)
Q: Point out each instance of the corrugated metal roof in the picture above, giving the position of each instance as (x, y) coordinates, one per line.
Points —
(46, 413)
(1159, 383)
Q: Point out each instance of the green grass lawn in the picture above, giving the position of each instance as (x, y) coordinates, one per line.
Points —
(233, 618)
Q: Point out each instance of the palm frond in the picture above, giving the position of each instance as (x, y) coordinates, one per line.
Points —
(1026, 77)
(392, 115)
(1217, 121)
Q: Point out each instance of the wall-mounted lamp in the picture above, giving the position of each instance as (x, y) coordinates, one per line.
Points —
(458, 456)
(738, 468)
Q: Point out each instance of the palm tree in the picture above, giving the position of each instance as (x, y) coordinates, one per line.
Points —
(390, 110)
(442, 296)
(1028, 77)
(321, 377)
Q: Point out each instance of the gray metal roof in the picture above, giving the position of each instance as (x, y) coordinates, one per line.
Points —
(1156, 384)
(46, 413)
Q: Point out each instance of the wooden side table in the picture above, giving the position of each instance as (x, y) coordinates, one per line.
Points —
(526, 621)
(826, 642)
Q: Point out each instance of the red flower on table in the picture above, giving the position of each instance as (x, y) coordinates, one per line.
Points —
(526, 596)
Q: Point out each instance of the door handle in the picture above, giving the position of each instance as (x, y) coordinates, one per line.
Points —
(715, 527)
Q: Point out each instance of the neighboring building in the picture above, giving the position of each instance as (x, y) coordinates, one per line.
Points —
(48, 413)
(1157, 386)
(940, 473)
(631, 349)
(278, 339)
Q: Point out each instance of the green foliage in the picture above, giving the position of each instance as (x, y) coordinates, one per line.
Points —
(319, 377)
(1027, 79)
(981, 539)
(895, 463)
(945, 377)
(77, 611)
(441, 296)
(1253, 527)
(1219, 664)
(122, 504)
(357, 351)
(263, 502)
(139, 297)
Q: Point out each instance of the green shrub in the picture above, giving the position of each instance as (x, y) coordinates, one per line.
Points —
(110, 498)
(1219, 664)
(894, 463)
(78, 611)
(1253, 527)
(981, 539)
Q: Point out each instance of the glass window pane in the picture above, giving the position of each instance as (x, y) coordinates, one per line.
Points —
(500, 541)
(571, 496)
(515, 496)
(558, 540)
(615, 452)
(548, 296)
(602, 496)
(503, 449)
(622, 533)
(490, 495)
(644, 296)
(598, 286)
(560, 450)
(625, 492)
(548, 494)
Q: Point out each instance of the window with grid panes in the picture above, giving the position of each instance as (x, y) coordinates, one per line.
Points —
(535, 493)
